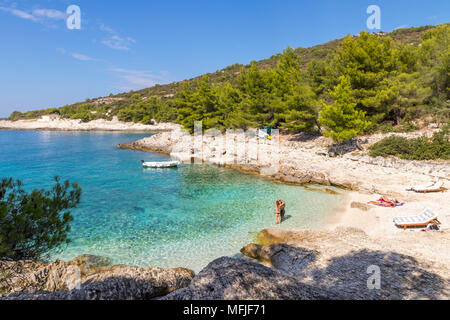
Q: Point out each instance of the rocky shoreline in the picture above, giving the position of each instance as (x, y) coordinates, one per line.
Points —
(78, 125)
(330, 263)
(317, 264)
(293, 265)
(359, 234)
(87, 278)
(305, 161)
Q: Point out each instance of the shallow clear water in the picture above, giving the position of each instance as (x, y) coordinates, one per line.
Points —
(160, 217)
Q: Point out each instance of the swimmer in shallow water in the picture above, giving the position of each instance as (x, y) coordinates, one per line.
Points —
(280, 206)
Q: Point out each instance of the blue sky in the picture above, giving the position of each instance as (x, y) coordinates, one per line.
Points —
(124, 45)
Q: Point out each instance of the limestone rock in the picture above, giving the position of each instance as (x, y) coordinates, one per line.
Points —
(282, 256)
(87, 278)
(78, 125)
(360, 205)
(237, 279)
(339, 263)
(304, 161)
(89, 263)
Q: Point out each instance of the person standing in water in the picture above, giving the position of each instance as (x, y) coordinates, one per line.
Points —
(280, 206)
(277, 212)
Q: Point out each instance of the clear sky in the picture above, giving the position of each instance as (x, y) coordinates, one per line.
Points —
(124, 45)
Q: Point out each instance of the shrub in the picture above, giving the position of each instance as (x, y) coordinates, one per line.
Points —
(32, 224)
(421, 148)
(408, 127)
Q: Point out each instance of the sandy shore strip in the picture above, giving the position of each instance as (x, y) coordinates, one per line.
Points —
(78, 125)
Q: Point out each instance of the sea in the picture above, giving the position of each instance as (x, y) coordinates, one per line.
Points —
(174, 217)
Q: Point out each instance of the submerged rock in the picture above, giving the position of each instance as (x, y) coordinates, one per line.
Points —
(281, 235)
(324, 190)
(90, 263)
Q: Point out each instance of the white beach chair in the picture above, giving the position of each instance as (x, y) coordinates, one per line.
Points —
(421, 220)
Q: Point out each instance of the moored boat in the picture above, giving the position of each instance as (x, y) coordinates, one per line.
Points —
(160, 164)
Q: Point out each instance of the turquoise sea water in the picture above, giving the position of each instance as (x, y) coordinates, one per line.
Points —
(160, 217)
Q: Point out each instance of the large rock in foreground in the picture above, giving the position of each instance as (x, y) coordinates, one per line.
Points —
(322, 264)
(87, 278)
(237, 279)
(346, 263)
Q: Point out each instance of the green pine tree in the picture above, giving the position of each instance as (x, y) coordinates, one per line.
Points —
(33, 224)
(342, 120)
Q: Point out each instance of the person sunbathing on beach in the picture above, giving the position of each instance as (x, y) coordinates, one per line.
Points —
(384, 201)
(431, 226)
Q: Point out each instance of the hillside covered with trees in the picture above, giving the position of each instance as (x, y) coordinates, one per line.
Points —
(358, 84)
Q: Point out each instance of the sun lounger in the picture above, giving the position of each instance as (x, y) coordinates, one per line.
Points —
(438, 186)
(421, 220)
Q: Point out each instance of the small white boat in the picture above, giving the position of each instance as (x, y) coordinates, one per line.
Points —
(160, 164)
